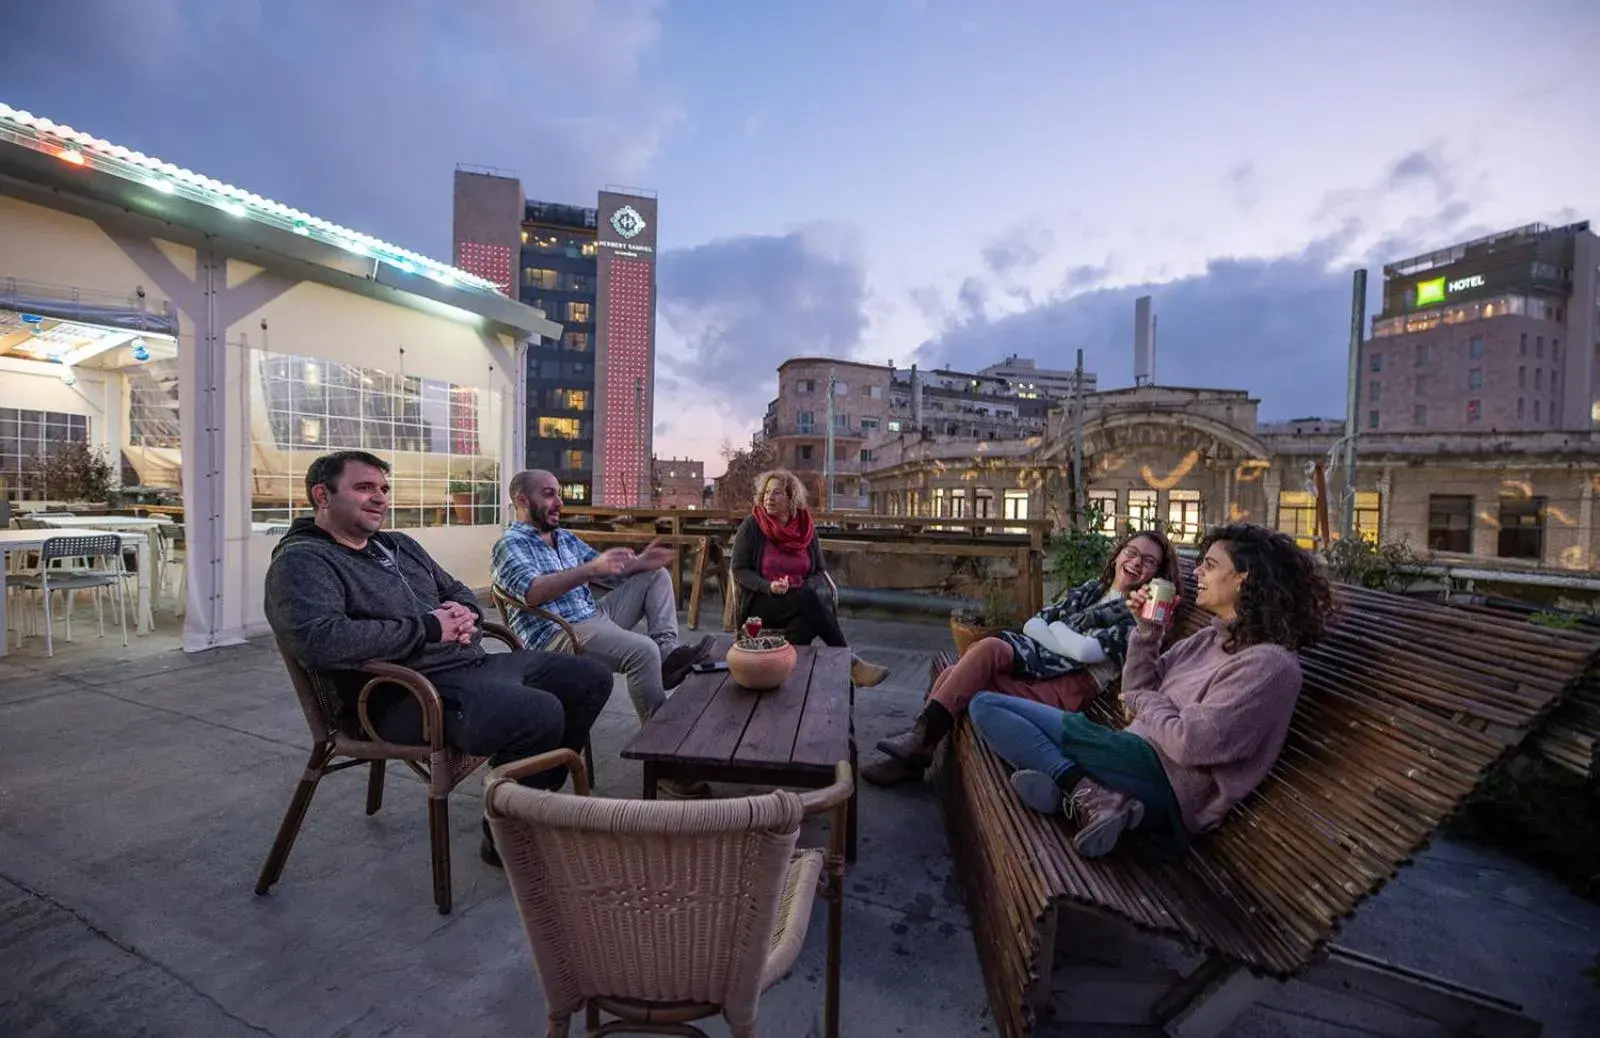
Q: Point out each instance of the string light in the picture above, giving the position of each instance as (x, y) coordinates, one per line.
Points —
(81, 149)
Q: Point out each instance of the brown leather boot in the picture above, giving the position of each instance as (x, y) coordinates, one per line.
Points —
(866, 675)
(915, 747)
(1102, 815)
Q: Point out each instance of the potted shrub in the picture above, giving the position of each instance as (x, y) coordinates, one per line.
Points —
(996, 611)
(462, 497)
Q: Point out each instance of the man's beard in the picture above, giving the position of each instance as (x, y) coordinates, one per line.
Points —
(544, 521)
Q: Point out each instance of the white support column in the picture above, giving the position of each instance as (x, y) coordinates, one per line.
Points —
(203, 413)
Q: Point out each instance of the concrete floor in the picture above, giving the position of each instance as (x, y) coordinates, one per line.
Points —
(140, 789)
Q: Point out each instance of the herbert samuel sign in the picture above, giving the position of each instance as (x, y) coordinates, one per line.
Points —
(1434, 290)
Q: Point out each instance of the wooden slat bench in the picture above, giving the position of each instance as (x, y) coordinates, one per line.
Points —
(1406, 707)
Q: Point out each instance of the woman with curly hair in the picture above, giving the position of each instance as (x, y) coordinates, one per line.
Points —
(1063, 657)
(778, 567)
(1208, 716)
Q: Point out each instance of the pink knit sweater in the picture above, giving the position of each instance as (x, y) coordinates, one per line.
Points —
(1216, 720)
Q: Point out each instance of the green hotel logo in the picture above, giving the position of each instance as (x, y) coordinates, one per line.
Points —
(1430, 292)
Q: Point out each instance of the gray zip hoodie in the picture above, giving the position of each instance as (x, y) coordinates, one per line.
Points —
(336, 607)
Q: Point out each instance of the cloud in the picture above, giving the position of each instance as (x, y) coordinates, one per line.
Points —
(1244, 186)
(1019, 249)
(1275, 326)
(359, 111)
(736, 307)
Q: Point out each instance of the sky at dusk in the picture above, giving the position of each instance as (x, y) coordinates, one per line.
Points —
(915, 180)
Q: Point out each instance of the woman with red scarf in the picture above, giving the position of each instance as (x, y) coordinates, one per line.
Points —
(777, 563)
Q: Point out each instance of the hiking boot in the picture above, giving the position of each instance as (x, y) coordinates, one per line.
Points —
(487, 850)
(1102, 815)
(680, 789)
(866, 675)
(915, 747)
(675, 665)
(891, 772)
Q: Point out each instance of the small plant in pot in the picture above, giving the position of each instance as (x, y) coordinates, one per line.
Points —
(996, 611)
(462, 495)
(762, 662)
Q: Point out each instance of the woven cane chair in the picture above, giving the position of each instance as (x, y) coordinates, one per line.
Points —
(565, 641)
(730, 601)
(440, 765)
(660, 913)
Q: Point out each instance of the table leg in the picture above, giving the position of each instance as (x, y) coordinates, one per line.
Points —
(5, 628)
(850, 812)
(145, 621)
(649, 780)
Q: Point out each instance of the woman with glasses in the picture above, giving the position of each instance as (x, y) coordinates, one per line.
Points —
(1207, 716)
(1062, 658)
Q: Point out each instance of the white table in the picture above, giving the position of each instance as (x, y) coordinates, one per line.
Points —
(12, 541)
(150, 528)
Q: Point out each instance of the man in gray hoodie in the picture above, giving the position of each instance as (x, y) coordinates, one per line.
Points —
(341, 591)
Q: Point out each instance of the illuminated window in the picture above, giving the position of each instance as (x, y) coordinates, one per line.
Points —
(578, 313)
(578, 342)
(1183, 515)
(1367, 511)
(539, 277)
(1142, 509)
(570, 399)
(1297, 516)
(1105, 503)
(558, 428)
(588, 248)
(446, 473)
(574, 492)
(27, 439)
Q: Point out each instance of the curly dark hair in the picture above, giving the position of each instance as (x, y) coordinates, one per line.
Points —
(1284, 600)
(1169, 559)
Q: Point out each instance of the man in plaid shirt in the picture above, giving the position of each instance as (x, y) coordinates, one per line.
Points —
(537, 563)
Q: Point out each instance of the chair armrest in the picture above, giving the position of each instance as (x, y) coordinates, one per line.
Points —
(816, 801)
(502, 633)
(421, 690)
(521, 769)
(835, 800)
(507, 601)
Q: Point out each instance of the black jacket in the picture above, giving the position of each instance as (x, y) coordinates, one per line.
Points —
(748, 544)
(336, 608)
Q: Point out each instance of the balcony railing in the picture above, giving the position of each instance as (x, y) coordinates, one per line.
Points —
(818, 431)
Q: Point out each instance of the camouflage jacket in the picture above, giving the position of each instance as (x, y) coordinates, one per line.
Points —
(1109, 623)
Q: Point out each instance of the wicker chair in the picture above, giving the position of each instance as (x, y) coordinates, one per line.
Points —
(441, 766)
(663, 912)
(565, 641)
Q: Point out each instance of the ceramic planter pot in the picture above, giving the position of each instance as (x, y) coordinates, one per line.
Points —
(760, 663)
(967, 635)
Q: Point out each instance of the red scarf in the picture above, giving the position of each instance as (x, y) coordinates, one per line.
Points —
(793, 536)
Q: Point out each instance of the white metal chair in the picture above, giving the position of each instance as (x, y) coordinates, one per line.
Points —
(105, 548)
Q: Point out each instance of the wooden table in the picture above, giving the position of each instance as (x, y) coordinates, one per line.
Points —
(712, 729)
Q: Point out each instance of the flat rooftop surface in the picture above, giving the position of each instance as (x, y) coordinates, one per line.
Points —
(140, 790)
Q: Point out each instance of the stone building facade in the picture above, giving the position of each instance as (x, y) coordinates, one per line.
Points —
(1191, 458)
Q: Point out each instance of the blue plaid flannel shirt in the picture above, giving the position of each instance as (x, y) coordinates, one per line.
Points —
(520, 557)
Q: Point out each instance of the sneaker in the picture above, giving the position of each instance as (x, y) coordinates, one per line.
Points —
(1038, 790)
(679, 789)
(1102, 815)
(891, 772)
(675, 665)
(866, 675)
(487, 850)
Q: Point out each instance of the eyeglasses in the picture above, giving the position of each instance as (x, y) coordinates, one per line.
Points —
(1150, 561)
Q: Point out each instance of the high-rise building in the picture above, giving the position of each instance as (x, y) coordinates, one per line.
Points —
(592, 270)
(1491, 335)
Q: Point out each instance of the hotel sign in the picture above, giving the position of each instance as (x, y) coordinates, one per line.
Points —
(1435, 290)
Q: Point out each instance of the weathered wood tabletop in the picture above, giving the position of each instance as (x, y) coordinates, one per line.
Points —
(712, 729)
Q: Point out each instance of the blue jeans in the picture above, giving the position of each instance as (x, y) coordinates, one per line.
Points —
(1028, 735)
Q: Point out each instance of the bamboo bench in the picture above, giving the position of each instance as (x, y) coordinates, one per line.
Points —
(1406, 707)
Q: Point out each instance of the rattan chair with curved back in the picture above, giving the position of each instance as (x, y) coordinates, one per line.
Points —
(660, 913)
(439, 765)
(565, 641)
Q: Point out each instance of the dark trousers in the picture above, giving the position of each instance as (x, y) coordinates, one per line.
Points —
(803, 614)
(510, 705)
